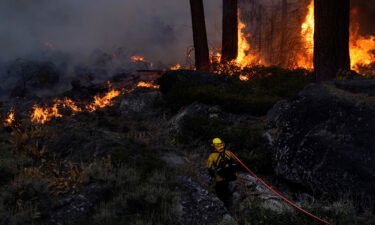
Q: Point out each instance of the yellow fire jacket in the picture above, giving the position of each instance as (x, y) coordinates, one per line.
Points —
(214, 160)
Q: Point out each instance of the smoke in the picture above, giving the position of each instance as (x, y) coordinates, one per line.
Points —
(159, 30)
(366, 15)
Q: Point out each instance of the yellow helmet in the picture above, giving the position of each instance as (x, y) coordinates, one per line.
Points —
(217, 141)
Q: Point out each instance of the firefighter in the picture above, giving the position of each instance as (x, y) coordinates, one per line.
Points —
(222, 166)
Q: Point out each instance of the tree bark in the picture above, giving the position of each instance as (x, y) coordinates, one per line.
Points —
(202, 61)
(331, 38)
(230, 30)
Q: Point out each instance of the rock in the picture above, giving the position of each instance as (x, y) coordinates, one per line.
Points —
(199, 206)
(170, 78)
(140, 103)
(176, 124)
(267, 199)
(324, 139)
(74, 207)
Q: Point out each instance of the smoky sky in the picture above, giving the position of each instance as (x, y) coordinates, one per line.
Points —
(156, 29)
(159, 30)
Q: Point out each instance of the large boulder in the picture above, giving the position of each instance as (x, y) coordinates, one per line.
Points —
(324, 139)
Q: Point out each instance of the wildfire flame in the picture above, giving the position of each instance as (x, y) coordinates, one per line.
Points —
(147, 85)
(68, 103)
(136, 58)
(10, 118)
(361, 48)
(243, 58)
(305, 58)
(176, 67)
(102, 102)
(42, 115)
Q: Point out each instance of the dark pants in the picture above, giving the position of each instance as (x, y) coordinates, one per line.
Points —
(223, 193)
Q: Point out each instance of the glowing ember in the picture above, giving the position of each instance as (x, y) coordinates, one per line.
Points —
(136, 58)
(102, 102)
(176, 67)
(243, 58)
(68, 103)
(244, 78)
(10, 119)
(147, 85)
(305, 58)
(43, 115)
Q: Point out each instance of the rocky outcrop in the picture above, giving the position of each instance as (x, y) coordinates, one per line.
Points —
(199, 206)
(140, 103)
(324, 139)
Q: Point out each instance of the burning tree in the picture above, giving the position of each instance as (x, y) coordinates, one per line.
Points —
(331, 38)
(202, 61)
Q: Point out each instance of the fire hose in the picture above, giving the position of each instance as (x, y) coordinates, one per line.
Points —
(278, 194)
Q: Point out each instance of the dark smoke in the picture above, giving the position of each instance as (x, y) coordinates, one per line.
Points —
(81, 36)
(156, 29)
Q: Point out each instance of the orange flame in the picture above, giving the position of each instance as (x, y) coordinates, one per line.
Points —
(10, 119)
(136, 58)
(362, 49)
(102, 102)
(147, 85)
(176, 67)
(305, 58)
(243, 58)
(68, 103)
(43, 115)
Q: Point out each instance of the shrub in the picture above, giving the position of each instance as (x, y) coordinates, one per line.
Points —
(266, 86)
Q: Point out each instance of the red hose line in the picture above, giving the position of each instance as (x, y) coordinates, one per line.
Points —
(278, 194)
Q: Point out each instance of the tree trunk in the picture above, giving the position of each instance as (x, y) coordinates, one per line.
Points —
(331, 38)
(230, 30)
(202, 61)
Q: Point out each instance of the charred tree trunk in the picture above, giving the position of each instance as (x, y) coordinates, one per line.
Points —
(331, 38)
(230, 30)
(202, 61)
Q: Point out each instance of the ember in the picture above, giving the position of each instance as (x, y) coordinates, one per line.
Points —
(176, 67)
(136, 58)
(10, 118)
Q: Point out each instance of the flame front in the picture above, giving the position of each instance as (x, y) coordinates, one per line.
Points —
(101, 102)
(10, 118)
(361, 48)
(42, 115)
(243, 57)
(68, 103)
(147, 85)
(305, 57)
